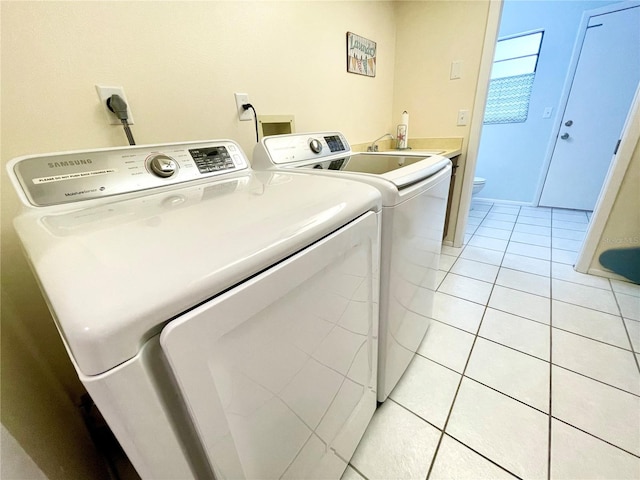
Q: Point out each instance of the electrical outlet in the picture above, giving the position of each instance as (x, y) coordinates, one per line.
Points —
(103, 94)
(463, 117)
(241, 99)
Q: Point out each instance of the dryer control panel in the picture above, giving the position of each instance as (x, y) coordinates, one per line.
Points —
(58, 178)
(285, 150)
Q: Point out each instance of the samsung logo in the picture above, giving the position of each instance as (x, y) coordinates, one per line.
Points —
(70, 163)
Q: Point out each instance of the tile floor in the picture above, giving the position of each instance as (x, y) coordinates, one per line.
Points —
(529, 369)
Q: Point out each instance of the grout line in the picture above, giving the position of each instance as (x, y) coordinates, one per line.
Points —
(522, 402)
(550, 424)
(455, 396)
(594, 339)
(483, 456)
(597, 380)
(624, 324)
(596, 437)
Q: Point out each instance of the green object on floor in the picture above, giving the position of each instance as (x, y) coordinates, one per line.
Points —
(623, 261)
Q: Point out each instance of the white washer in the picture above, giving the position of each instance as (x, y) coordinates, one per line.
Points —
(224, 321)
(414, 198)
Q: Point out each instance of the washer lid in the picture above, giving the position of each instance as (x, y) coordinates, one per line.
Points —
(116, 272)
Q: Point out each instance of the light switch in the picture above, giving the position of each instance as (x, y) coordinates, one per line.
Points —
(547, 112)
(463, 117)
(456, 70)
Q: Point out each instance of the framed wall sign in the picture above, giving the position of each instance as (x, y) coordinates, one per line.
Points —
(361, 55)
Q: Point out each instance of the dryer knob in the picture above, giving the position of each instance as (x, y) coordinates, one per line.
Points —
(315, 145)
(163, 166)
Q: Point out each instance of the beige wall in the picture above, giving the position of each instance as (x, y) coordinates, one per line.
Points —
(431, 35)
(180, 63)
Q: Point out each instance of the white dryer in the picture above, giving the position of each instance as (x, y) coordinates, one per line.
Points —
(414, 198)
(224, 321)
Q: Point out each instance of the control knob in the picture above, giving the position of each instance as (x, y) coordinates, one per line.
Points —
(163, 166)
(315, 145)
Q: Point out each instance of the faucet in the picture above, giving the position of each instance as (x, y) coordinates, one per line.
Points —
(373, 147)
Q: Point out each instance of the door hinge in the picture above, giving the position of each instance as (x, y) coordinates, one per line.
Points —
(615, 151)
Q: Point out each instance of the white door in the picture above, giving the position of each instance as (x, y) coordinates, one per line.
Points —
(279, 373)
(606, 78)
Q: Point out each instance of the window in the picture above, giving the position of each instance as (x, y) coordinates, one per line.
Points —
(514, 68)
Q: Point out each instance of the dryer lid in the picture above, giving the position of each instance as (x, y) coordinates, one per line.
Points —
(115, 272)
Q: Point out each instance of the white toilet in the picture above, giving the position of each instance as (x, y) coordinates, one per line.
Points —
(478, 184)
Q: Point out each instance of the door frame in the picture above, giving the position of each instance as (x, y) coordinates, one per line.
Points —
(620, 163)
(568, 84)
(477, 119)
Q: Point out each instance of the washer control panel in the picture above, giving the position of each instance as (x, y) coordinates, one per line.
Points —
(288, 149)
(58, 178)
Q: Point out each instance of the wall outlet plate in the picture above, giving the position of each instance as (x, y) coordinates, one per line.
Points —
(103, 94)
(241, 99)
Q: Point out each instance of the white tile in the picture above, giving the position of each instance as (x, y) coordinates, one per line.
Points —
(519, 303)
(449, 250)
(633, 327)
(457, 312)
(513, 373)
(427, 389)
(467, 288)
(447, 345)
(493, 233)
(590, 323)
(590, 297)
(598, 409)
(543, 253)
(488, 242)
(568, 234)
(566, 244)
(474, 220)
(526, 282)
(570, 217)
(397, 444)
(629, 305)
(446, 261)
(611, 365)
(575, 454)
(541, 222)
(534, 212)
(531, 239)
(502, 217)
(564, 256)
(504, 430)
(527, 264)
(532, 229)
(497, 224)
(481, 205)
(470, 230)
(627, 288)
(477, 270)
(564, 225)
(351, 474)
(516, 332)
(510, 209)
(566, 272)
(467, 237)
(440, 274)
(477, 213)
(482, 255)
(455, 461)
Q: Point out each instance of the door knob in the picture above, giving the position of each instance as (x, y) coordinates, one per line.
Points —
(568, 123)
(564, 136)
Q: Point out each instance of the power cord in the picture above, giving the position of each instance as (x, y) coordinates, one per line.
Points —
(248, 106)
(118, 106)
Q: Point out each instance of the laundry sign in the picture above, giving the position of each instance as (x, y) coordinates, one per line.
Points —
(361, 55)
